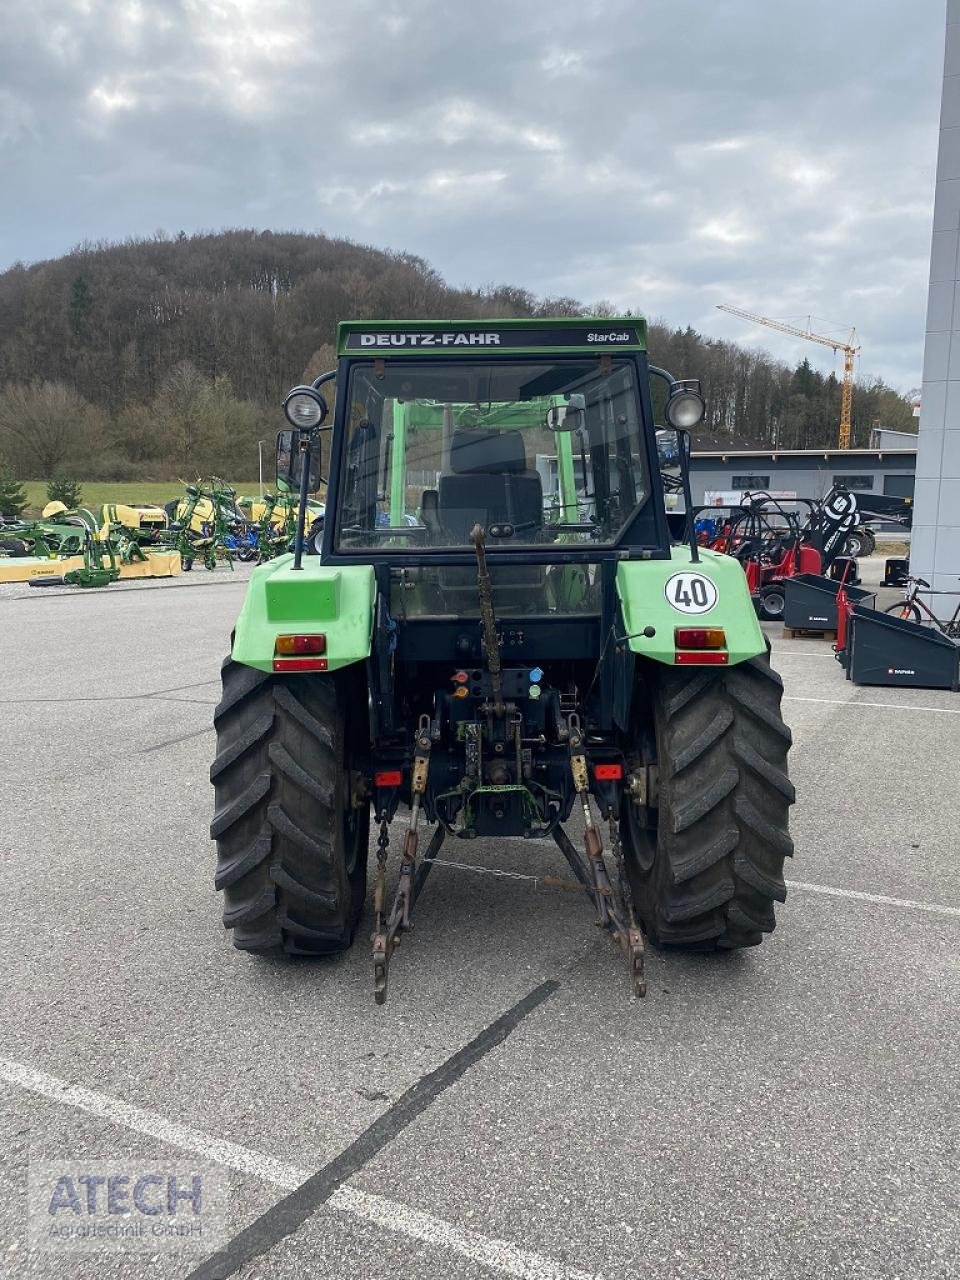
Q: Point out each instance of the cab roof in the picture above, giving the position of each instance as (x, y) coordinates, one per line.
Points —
(576, 335)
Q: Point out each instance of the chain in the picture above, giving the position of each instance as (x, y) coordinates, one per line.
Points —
(626, 897)
(380, 885)
(548, 882)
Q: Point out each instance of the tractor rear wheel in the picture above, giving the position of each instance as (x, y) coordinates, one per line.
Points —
(706, 866)
(292, 819)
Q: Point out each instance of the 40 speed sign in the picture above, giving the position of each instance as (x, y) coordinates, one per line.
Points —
(690, 592)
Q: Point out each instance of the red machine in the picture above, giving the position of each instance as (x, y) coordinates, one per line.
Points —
(775, 540)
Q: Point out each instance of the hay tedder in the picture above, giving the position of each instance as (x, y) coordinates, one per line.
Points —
(501, 639)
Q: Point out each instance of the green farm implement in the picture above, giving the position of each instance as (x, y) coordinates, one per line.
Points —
(502, 638)
(202, 523)
(81, 535)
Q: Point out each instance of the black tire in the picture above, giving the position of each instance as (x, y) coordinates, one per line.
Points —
(291, 843)
(186, 563)
(706, 867)
(853, 545)
(14, 546)
(313, 538)
(902, 609)
(860, 542)
(772, 604)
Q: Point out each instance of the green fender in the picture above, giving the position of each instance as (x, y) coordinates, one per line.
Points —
(651, 595)
(337, 601)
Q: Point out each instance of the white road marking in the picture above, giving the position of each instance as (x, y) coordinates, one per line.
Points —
(881, 898)
(935, 907)
(230, 1154)
(499, 1255)
(880, 706)
(801, 653)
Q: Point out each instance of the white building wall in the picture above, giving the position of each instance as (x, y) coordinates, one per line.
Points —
(935, 546)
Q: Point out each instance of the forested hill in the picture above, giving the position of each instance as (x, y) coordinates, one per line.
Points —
(160, 357)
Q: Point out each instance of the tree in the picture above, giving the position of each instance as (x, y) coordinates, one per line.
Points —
(109, 356)
(81, 304)
(66, 490)
(13, 500)
(45, 426)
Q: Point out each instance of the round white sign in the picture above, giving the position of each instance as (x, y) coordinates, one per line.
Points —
(690, 592)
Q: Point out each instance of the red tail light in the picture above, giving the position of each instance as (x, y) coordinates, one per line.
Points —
(608, 772)
(702, 659)
(387, 778)
(699, 638)
(301, 644)
(299, 664)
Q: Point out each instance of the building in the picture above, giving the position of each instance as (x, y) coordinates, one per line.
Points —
(886, 438)
(722, 477)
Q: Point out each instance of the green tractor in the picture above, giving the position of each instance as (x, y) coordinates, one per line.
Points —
(506, 633)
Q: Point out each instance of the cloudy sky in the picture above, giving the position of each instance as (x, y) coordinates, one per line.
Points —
(667, 155)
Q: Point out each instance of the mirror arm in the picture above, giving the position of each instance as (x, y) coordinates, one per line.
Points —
(303, 445)
(688, 499)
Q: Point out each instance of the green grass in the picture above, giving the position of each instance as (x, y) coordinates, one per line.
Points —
(134, 492)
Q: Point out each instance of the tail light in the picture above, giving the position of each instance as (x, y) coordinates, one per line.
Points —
(705, 658)
(296, 653)
(301, 644)
(699, 638)
(387, 778)
(608, 772)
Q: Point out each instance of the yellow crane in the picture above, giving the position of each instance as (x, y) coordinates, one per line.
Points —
(849, 349)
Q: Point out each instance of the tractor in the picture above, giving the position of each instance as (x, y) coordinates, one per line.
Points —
(500, 638)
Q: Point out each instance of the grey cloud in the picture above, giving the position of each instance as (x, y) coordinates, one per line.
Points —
(664, 155)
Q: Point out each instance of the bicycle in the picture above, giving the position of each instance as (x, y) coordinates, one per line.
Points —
(911, 608)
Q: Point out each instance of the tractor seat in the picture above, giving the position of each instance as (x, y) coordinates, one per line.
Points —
(489, 484)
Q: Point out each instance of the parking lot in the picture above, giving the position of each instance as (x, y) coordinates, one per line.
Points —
(789, 1111)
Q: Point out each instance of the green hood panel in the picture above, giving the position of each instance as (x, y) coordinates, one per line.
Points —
(642, 588)
(337, 601)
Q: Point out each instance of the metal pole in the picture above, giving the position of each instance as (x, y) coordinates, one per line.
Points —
(303, 444)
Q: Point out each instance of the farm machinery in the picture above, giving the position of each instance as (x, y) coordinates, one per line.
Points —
(206, 524)
(273, 521)
(78, 549)
(499, 665)
(777, 539)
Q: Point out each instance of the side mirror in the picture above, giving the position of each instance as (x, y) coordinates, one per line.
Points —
(569, 416)
(290, 463)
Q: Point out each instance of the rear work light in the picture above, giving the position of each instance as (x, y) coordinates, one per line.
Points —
(608, 772)
(387, 778)
(699, 638)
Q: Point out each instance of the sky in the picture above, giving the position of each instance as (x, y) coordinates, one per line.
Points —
(664, 155)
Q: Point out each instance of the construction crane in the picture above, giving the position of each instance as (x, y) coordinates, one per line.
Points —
(849, 352)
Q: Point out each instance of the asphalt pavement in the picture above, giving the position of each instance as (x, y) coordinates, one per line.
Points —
(786, 1112)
